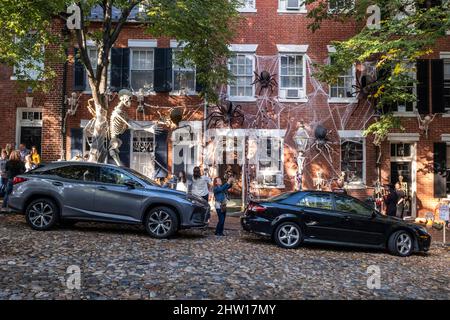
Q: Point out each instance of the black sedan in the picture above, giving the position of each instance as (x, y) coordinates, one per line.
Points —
(331, 218)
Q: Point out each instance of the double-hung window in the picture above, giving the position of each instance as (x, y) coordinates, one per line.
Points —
(410, 89)
(447, 84)
(291, 6)
(183, 76)
(270, 161)
(93, 58)
(343, 89)
(29, 68)
(292, 76)
(247, 6)
(141, 68)
(241, 66)
(353, 158)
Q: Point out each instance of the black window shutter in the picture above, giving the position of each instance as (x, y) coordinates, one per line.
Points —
(125, 148)
(120, 68)
(79, 78)
(161, 153)
(76, 142)
(423, 95)
(163, 70)
(440, 166)
(437, 85)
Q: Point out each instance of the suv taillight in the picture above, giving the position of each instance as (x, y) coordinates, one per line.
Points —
(18, 180)
(257, 208)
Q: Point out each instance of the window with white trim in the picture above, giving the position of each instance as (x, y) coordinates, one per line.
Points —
(241, 66)
(291, 6)
(246, 5)
(292, 76)
(352, 160)
(447, 84)
(342, 89)
(183, 77)
(270, 161)
(92, 53)
(141, 68)
(407, 106)
(28, 68)
(340, 6)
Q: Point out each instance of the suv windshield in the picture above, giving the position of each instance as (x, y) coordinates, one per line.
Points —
(142, 177)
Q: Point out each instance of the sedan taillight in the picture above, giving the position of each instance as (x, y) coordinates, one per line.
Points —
(18, 180)
(257, 208)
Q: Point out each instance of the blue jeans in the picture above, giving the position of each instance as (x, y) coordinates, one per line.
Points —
(221, 224)
(4, 182)
(9, 189)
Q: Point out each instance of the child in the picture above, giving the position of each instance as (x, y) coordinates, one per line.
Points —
(29, 165)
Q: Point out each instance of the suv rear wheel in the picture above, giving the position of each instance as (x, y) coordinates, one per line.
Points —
(161, 222)
(42, 214)
(288, 235)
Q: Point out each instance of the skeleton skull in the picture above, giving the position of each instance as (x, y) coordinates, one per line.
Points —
(125, 97)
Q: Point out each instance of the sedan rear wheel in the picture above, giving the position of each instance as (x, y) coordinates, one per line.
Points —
(401, 243)
(288, 235)
(41, 214)
(161, 222)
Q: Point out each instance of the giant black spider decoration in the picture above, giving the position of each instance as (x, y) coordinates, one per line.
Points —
(227, 114)
(265, 80)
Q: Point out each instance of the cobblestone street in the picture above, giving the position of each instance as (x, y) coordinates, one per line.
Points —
(120, 262)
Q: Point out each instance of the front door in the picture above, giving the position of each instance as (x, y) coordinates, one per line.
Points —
(31, 136)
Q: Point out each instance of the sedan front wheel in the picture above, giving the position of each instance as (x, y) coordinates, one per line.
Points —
(288, 235)
(161, 222)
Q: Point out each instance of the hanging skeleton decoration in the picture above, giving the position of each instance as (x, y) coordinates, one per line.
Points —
(265, 80)
(119, 124)
(424, 123)
(227, 115)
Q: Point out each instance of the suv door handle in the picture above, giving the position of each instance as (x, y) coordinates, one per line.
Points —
(58, 184)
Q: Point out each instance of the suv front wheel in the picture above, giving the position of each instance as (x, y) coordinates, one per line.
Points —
(161, 222)
(41, 214)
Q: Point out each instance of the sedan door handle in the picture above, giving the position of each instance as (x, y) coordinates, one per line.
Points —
(58, 184)
(102, 188)
(346, 218)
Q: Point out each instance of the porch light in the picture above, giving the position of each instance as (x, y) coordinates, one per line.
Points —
(301, 139)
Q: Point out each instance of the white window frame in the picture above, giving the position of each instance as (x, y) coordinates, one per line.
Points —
(414, 91)
(87, 88)
(243, 98)
(246, 7)
(343, 99)
(196, 127)
(131, 64)
(302, 97)
(268, 172)
(186, 69)
(446, 57)
(282, 7)
(33, 74)
(349, 135)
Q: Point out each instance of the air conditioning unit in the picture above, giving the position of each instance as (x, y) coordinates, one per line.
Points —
(272, 180)
(290, 93)
(293, 4)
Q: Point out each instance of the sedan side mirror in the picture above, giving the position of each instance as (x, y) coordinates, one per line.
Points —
(374, 214)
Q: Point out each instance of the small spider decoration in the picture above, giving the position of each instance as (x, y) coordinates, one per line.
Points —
(266, 81)
(227, 114)
(321, 139)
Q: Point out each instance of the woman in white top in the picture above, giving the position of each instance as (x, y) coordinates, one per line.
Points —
(200, 184)
(182, 184)
(29, 165)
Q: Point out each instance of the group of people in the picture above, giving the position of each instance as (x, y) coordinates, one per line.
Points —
(12, 164)
(395, 201)
(200, 185)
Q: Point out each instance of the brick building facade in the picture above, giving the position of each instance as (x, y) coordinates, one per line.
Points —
(272, 36)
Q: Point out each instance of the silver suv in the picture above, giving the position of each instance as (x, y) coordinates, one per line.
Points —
(67, 192)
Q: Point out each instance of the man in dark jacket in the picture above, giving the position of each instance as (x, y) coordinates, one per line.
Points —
(391, 200)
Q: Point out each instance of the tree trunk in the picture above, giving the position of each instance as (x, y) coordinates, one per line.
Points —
(98, 151)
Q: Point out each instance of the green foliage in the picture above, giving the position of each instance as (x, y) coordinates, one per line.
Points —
(408, 30)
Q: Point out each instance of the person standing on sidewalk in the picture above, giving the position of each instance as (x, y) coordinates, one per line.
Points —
(200, 184)
(4, 179)
(220, 203)
(14, 167)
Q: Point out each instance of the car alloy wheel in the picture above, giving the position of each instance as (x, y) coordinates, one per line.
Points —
(404, 244)
(160, 223)
(41, 214)
(288, 235)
